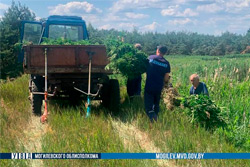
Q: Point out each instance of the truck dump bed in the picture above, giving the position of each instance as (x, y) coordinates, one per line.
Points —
(65, 58)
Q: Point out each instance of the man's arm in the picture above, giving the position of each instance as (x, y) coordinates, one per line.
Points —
(205, 89)
(166, 78)
(191, 91)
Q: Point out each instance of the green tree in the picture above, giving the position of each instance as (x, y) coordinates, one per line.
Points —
(247, 38)
(177, 42)
(10, 25)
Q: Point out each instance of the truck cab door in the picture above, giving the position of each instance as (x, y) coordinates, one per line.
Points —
(31, 33)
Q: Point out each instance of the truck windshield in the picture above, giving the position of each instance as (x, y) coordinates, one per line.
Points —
(32, 33)
(73, 33)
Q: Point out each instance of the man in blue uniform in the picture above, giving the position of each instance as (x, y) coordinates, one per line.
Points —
(198, 87)
(157, 73)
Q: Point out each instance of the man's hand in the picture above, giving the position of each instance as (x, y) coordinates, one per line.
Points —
(166, 78)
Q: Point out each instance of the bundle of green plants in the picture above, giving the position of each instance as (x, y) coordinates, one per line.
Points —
(202, 110)
(126, 59)
(132, 65)
(18, 46)
(61, 41)
(112, 46)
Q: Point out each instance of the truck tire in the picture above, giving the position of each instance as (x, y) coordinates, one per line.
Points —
(36, 100)
(111, 95)
(105, 95)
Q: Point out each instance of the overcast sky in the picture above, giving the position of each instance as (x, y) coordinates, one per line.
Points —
(202, 16)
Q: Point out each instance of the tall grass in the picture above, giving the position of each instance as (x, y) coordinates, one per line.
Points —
(71, 132)
(174, 133)
(14, 115)
(228, 82)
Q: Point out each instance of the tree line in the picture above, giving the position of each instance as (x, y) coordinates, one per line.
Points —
(185, 43)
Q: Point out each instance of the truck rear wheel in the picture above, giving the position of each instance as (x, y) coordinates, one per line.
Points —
(111, 95)
(36, 100)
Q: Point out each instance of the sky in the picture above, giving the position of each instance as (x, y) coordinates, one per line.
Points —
(202, 16)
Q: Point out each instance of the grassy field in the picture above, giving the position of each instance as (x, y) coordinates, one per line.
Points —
(228, 82)
(68, 130)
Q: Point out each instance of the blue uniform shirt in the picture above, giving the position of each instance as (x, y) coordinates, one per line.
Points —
(201, 89)
(156, 70)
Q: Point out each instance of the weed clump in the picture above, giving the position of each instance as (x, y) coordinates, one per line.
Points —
(126, 59)
(204, 111)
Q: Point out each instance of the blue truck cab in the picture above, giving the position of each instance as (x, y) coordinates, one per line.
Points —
(67, 27)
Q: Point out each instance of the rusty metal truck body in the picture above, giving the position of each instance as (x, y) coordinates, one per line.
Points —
(67, 66)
